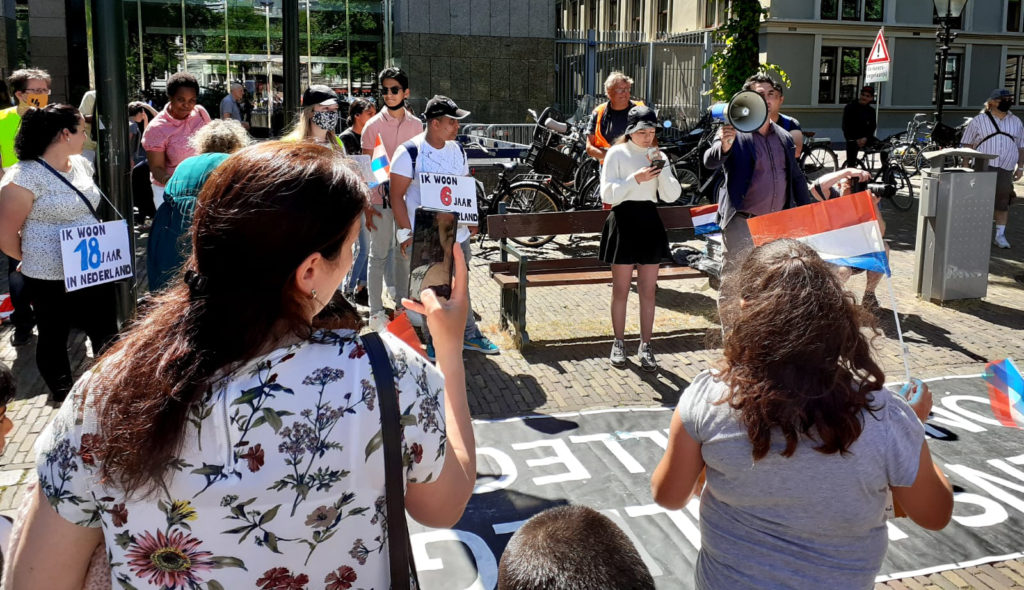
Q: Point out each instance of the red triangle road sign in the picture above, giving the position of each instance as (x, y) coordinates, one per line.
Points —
(879, 52)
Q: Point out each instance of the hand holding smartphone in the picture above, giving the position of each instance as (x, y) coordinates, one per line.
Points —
(432, 263)
(657, 164)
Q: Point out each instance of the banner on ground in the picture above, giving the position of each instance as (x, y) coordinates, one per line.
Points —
(605, 460)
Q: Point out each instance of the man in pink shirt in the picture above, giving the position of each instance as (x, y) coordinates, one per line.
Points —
(394, 124)
(166, 138)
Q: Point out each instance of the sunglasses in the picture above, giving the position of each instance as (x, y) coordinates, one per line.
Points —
(391, 89)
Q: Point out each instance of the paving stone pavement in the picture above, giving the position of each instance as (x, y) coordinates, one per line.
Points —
(565, 367)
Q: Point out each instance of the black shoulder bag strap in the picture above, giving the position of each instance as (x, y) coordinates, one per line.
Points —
(991, 135)
(403, 569)
(73, 187)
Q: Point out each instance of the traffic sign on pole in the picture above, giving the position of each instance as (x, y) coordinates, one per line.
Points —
(877, 68)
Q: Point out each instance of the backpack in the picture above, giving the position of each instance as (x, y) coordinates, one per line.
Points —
(997, 132)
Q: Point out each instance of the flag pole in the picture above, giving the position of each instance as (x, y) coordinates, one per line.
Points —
(899, 329)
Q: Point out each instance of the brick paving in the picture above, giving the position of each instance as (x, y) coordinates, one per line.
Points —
(565, 367)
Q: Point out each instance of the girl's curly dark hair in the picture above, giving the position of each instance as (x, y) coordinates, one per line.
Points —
(798, 357)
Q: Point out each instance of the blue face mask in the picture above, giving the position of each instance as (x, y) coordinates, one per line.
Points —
(326, 120)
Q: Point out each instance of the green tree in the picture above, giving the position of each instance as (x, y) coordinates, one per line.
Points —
(739, 60)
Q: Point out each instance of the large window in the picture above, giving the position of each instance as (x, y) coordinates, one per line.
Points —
(950, 79)
(592, 22)
(840, 74)
(636, 13)
(613, 15)
(1012, 77)
(866, 10)
(716, 12)
(662, 16)
(1013, 14)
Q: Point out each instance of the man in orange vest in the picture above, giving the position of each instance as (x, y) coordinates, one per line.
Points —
(609, 120)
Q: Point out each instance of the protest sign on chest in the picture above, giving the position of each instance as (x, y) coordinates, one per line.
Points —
(94, 254)
(450, 193)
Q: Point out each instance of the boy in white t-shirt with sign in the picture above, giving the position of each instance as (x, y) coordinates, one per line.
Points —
(435, 151)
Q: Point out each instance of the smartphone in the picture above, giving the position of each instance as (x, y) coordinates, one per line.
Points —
(432, 263)
(658, 164)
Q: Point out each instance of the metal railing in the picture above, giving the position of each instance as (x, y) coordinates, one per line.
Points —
(667, 72)
(521, 133)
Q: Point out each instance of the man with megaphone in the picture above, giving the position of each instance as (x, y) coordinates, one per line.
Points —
(761, 172)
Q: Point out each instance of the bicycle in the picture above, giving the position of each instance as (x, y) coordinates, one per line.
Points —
(891, 173)
(817, 158)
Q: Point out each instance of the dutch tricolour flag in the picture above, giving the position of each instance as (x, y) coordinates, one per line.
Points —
(380, 165)
(844, 231)
(1005, 392)
(705, 219)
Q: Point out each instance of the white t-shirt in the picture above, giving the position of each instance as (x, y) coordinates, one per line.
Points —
(448, 160)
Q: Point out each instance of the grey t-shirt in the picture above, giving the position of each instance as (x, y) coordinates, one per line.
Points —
(229, 106)
(807, 521)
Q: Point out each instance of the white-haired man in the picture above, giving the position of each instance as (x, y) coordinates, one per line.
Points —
(610, 118)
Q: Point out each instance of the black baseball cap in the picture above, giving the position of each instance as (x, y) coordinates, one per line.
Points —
(868, 90)
(641, 117)
(442, 106)
(1000, 93)
(319, 94)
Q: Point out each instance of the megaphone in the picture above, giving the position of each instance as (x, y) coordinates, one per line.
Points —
(747, 111)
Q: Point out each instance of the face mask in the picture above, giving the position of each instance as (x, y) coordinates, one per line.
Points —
(1004, 105)
(326, 120)
(37, 100)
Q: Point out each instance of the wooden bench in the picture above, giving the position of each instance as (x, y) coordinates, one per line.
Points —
(515, 276)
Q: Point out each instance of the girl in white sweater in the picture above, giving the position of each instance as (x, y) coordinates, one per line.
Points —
(633, 177)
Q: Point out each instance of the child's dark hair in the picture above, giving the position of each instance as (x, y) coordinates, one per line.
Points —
(572, 548)
(7, 387)
(356, 108)
(39, 127)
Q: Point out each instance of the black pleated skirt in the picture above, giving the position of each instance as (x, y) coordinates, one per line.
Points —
(634, 234)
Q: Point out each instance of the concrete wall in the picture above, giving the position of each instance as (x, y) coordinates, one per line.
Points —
(986, 74)
(914, 13)
(911, 74)
(785, 9)
(48, 44)
(790, 52)
(987, 16)
(493, 57)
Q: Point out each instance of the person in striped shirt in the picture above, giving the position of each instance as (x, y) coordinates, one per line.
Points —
(998, 131)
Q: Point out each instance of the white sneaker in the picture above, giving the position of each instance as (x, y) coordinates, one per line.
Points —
(1001, 241)
(618, 355)
(379, 321)
(646, 355)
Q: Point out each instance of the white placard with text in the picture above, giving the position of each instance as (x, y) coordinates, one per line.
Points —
(94, 254)
(450, 193)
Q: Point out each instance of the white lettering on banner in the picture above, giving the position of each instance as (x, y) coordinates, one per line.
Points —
(895, 534)
(450, 193)
(689, 530)
(507, 472)
(648, 559)
(944, 416)
(486, 566)
(993, 512)
(952, 402)
(990, 484)
(576, 470)
(660, 439)
(627, 460)
(94, 254)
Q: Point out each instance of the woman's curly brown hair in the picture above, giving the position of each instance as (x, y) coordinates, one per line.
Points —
(798, 357)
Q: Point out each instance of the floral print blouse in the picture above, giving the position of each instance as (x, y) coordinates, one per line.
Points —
(279, 484)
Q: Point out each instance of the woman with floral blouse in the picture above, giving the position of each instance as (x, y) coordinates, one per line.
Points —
(231, 437)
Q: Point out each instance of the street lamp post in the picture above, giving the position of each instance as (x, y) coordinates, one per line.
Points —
(947, 10)
(270, 72)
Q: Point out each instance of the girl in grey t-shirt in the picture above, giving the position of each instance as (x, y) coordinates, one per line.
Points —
(800, 441)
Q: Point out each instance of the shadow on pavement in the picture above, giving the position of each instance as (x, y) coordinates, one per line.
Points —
(553, 352)
(666, 384)
(918, 331)
(993, 313)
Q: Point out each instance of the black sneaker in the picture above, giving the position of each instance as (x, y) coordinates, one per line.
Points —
(21, 337)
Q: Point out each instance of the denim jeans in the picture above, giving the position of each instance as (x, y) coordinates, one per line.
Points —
(357, 275)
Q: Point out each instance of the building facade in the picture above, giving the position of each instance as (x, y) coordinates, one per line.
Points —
(493, 57)
(823, 44)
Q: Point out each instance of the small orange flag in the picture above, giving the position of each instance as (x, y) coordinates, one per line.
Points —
(402, 328)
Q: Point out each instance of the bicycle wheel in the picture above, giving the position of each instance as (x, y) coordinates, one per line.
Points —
(528, 196)
(819, 161)
(690, 183)
(589, 196)
(904, 197)
(910, 157)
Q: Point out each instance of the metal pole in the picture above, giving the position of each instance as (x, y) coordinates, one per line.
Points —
(348, 50)
(227, 50)
(387, 33)
(112, 128)
(940, 82)
(650, 74)
(142, 71)
(291, 68)
(309, 47)
(184, 42)
(590, 74)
